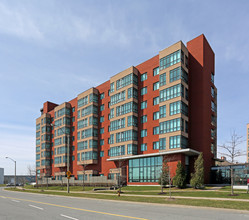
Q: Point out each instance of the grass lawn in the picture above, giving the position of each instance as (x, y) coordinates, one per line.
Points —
(197, 193)
(189, 202)
(62, 188)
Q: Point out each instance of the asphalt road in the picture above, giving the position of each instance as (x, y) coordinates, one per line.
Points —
(24, 206)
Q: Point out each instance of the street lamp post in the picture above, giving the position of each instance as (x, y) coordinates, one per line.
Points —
(15, 168)
(68, 158)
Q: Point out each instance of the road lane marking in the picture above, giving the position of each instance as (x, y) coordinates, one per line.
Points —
(36, 207)
(3, 197)
(15, 200)
(79, 209)
(65, 216)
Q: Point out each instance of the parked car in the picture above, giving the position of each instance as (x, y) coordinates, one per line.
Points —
(10, 184)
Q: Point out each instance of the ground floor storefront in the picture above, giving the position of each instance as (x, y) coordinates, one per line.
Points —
(222, 174)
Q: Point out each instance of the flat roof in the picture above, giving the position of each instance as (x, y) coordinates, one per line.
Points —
(188, 151)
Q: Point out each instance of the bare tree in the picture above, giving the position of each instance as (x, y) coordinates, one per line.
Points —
(232, 152)
(83, 175)
(31, 170)
(165, 175)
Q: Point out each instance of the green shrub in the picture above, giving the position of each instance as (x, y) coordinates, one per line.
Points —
(179, 179)
(197, 178)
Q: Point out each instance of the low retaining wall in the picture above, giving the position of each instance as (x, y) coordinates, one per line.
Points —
(240, 187)
(92, 181)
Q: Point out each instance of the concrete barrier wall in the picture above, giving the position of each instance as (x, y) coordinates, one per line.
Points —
(95, 180)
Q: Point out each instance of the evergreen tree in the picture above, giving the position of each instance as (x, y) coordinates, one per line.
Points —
(197, 178)
(180, 177)
(163, 180)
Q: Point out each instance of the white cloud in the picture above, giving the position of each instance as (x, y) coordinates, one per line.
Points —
(18, 23)
(98, 26)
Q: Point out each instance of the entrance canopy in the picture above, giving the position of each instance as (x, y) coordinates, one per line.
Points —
(187, 152)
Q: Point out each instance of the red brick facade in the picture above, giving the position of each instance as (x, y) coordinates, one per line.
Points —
(200, 58)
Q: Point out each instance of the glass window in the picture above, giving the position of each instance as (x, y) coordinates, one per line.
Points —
(102, 95)
(101, 142)
(82, 123)
(132, 121)
(170, 60)
(156, 100)
(111, 139)
(162, 143)
(212, 92)
(144, 133)
(162, 79)
(81, 102)
(171, 125)
(156, 145)
(143, 76)
(178, 107)
(171, 92)
(178, 142)
(112, 87)
(119, 97)
(131, 149)
(156, 130)
(102, 107)
(126, 108)
(126, 80)
(156, 71)
(162, 111)
(212, 77)
(126, 136)
(111, 114)
(143, 118)
(132, 93)
(143, 147)
(145, 169)
(144, 91)
(155, 115)
(117, 124)
(101, 119)
(101, 154)
(116, 151)
(213, 106)
(101, 130)
(90, 155)
(93, 98)
(156, 86)
(178, 73)
(144, 105)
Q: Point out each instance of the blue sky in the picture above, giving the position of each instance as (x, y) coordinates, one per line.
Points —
(55, 49)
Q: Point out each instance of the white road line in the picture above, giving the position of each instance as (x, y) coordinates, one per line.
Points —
(15, 200)
(65, 216)
(36, 207)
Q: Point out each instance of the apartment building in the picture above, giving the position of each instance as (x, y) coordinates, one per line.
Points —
(164, 109)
